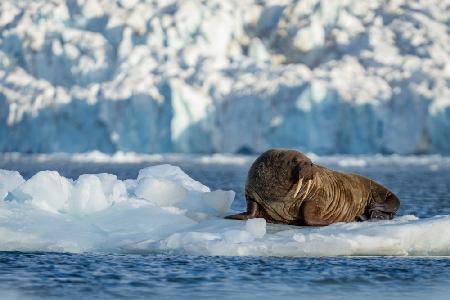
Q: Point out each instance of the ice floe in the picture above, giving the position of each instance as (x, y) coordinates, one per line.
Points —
(164, 210)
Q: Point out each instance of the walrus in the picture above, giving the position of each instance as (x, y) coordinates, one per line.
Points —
(285, 186)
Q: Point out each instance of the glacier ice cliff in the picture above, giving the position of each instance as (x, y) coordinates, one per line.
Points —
(325, 76)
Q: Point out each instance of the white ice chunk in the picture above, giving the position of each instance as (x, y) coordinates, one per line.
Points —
(87, 196)
(115, 190)
(9, 180)
(178, 240)
(160, 191)
(237, 236)
(173, 173)
(256, 227)
(136, 220)
(219, 200)
(46, 190)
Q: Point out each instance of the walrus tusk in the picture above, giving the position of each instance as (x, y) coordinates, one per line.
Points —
(308, 187)
(299, 186)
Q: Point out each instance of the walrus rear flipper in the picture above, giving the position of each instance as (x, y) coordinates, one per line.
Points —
(383, 210)
(377, 215)
(383, 204)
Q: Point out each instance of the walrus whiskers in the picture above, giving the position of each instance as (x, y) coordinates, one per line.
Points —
(299, 186)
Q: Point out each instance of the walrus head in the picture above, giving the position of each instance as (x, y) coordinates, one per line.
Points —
(277, 176)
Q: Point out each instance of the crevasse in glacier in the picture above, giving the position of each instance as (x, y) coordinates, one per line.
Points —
(325, 76)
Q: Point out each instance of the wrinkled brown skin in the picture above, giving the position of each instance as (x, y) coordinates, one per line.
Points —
(325, 196)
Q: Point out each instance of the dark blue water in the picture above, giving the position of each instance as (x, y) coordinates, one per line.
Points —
(75, 276)
(423, 192)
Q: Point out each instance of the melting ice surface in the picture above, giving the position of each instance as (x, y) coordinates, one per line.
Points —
(166, 210)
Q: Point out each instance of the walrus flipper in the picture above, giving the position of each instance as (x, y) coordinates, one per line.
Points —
(241, 216)
(252, 212)
(377, 215)
(384, 207)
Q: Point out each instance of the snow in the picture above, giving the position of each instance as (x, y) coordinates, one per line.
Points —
(322, 76)
(166, 210)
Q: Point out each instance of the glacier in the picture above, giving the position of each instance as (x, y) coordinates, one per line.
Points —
(152, 76)
(165, 210)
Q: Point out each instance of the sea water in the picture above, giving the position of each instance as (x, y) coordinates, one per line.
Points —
(423, 188)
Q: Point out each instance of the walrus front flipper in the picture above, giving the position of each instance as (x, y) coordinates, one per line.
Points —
(241, 216)
(252, 212)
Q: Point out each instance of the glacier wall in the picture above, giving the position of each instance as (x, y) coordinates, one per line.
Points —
(325, 76)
